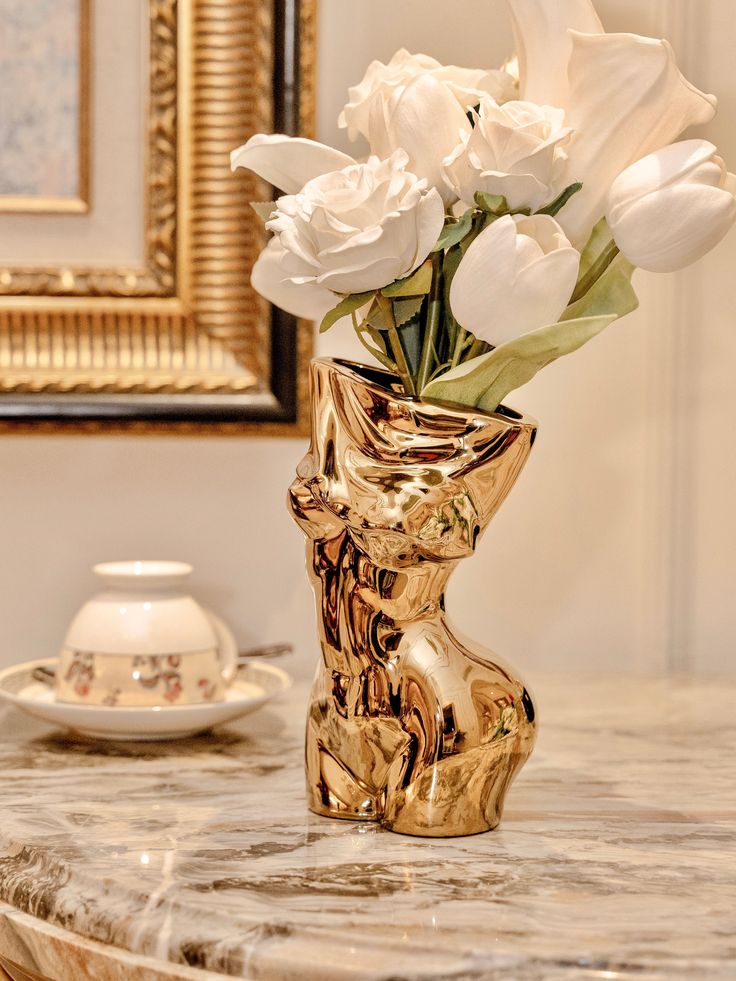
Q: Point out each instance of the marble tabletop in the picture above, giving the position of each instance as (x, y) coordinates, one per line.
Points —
(616, 857)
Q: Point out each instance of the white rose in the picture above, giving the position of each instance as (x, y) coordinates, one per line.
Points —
(514, 150)
(517, 276)
(349, 231)
(467, 85)
(671, 207)
(418, 105)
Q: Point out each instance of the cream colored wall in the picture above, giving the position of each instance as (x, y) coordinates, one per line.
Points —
(615, 551)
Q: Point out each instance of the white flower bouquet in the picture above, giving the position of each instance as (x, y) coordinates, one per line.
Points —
(500, 216)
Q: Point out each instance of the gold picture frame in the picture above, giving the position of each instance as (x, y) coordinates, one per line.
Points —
(180, 342)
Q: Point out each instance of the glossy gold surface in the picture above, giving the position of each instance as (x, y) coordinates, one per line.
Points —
(410, 724)
(16, 973)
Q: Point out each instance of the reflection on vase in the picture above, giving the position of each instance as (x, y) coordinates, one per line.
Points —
(409, 723)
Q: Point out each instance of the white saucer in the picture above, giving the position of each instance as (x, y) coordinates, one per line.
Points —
(254, 685)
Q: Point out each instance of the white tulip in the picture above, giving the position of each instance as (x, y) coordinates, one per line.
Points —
(288, 162)
(517, 276)
(514, 150)
(623, 96)
(670, 208)
(467, 85)
(350, 231)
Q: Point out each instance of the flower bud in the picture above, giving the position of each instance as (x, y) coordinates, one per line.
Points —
(671, 207)
(517, 276)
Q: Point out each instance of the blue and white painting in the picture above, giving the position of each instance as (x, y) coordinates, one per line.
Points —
(39, 98)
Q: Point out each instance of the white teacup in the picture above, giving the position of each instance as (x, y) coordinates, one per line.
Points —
(144, 640)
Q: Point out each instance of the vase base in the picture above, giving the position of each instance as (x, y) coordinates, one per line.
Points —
(338, 815)
(384, 825)
(455, 797)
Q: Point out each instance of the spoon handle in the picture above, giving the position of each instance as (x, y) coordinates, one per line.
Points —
(44, 674)
(265, 651)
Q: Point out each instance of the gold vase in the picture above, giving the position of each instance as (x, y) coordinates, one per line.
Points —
(409, 723)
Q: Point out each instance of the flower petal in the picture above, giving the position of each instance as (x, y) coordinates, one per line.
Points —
(627, 98)
(269, 279)
(487, 271)
(367, 273)
(672, 228)
(520, 190)
(427, 145)
(288, 162)
(546, 287)
(504, 288)
(430, 221)
(658, 170)
(544, 45)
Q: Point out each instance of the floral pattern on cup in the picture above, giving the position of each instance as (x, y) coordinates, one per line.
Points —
(159, 670)
(208, 689)
(98, 678)
(81, 672)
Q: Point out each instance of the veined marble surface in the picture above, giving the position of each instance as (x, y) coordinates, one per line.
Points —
(616, 857)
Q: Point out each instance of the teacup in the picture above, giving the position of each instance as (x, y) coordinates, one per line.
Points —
(144, 640)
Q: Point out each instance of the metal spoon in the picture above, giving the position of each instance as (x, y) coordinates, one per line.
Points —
(267, 651)
(47, 675)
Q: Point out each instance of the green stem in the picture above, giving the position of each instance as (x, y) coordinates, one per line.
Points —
(434, 316)
(477, 348)
(377, 354)
(397, 348)
(459, 345)
(595, 272)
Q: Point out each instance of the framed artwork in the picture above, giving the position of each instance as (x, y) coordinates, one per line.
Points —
(125, 240)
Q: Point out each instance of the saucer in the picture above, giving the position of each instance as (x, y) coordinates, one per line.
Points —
(253, 686)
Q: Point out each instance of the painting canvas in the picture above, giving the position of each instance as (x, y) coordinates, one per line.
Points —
(41, 73)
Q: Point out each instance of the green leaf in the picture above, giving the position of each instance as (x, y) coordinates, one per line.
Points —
(559, 203)
(611, 295)
(407, 307)
(346, 306)
(264, 209)
(376, 318)
(449, 268)
(485, 381)
(411, 340)
(599, 240)
(448, 332)
(456, 231)
(418, 284)
(494, 204)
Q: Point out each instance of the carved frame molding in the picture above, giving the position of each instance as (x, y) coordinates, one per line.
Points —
(125, 348)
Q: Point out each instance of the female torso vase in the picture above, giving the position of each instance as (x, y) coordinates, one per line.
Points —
(409, 723)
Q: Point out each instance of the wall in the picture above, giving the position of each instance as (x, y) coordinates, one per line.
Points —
(615, 551)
